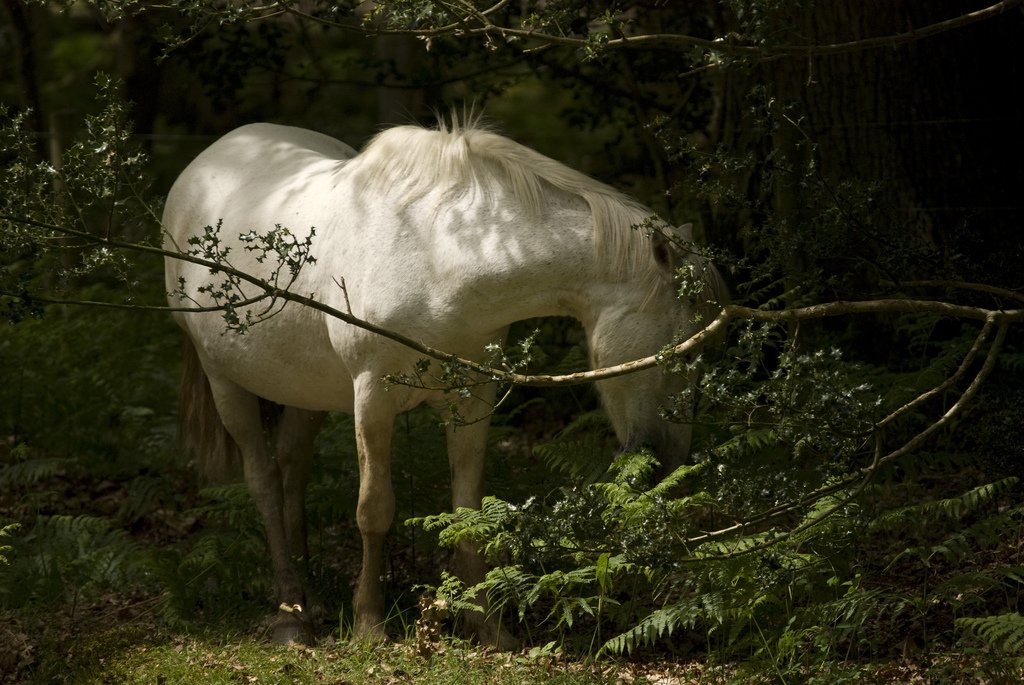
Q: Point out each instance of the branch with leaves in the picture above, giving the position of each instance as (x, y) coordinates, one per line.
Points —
(854, 484)
(436, 18)
(716, 327)
(541, 28)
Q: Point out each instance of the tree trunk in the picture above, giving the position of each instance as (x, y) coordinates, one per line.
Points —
(25, 30)
(881, 164)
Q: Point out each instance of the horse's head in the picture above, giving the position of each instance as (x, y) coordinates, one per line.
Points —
(640, 318)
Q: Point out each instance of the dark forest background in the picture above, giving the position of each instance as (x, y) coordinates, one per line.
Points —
(824, 151)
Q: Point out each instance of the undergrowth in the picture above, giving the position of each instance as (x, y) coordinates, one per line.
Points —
(769, 547)
(781, 541)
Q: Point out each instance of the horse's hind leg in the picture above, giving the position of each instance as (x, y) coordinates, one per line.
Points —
(296, 431)
(240, 412)
(467, 445)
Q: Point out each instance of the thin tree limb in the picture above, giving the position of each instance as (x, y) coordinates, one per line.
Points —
(685, 42)
(866, 474)
(961, 285)
(717, 325)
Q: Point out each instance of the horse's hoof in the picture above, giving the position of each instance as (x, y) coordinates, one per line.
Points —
(499, 639)
(489, 634)
(372, 633)
(293, 628)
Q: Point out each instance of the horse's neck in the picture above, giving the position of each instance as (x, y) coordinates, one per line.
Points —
(477, 264)
(543, 265)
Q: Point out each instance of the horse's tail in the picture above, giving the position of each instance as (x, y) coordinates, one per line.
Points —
(200, 430)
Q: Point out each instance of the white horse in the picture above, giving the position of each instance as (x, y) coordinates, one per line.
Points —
(445, 236)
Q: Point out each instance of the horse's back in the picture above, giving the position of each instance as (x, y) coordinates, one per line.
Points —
(263, 144)
(248, 166)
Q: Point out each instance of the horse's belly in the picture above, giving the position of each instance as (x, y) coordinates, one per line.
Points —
(290, 365)
(304, 387)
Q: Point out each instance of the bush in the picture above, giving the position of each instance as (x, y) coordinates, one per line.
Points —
(786, 537)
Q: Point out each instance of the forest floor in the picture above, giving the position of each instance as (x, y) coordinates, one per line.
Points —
(107, 648)
(70, 619)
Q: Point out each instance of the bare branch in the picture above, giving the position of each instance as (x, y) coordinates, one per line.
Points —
(717, 326)
(967, 362)
(960, 285)
(487, 27)
(965, 398)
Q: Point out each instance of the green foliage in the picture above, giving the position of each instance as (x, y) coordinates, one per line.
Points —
(66, 559)
(287, 252)
(409, 14)
(1003, 632)
(87, 387)
(6, 531)
(217, 578)
(100, 186)
(621, 566)
(579, 451)
(779, 541)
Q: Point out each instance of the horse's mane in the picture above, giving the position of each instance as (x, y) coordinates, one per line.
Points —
(466, 157)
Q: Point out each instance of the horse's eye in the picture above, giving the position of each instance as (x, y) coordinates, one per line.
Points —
(661, 253)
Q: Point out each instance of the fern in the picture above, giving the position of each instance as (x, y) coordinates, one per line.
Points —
(579, 450)
(61, 558)
(1003, 632)
(216, 576)
(229, 505)
(507, 587)
(28, 472)
(144, 494)
(1012, 361)
(654, 626)
(971, 588)
(482, 526)
(953, 508)
(6, 532)
(747, 442)
(961, 543)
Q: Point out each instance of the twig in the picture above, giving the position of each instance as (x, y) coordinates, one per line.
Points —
(863, 478)
(968, 360)
(684, 42)
(717, 326)
(959, 285)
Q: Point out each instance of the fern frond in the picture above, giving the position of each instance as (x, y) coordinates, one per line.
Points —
(145, 493)
(746, 442)
(63, 556)
(1003, 632)
(481, 526)
(951, 508)
(6, 532)
(1012, 361)
(507, 586)
(963, 588)
(659, 623)
(31, 471)
(581, 458)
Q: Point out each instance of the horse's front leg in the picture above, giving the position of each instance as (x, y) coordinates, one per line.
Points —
(375, 511)
(239, 411)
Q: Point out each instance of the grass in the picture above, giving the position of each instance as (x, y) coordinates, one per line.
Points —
(141, 654)
(114, 642)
